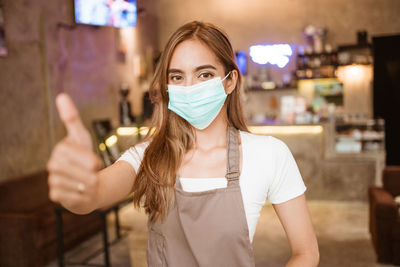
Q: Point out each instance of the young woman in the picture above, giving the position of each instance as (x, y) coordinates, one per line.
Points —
(200, 175)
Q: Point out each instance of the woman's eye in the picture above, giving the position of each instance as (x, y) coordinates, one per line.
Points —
(206, 75)
(175, 78)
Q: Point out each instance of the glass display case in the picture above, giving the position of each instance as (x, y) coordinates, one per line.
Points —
(358, 136)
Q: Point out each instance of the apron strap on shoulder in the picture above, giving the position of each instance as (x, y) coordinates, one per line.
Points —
(232, 166)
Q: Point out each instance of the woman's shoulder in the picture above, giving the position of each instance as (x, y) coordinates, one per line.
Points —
(142, 145)
(262, 141)
(137, 149)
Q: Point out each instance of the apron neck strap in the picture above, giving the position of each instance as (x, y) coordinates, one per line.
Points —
(232, 166)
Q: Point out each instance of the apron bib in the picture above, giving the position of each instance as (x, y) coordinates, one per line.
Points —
(205, 229)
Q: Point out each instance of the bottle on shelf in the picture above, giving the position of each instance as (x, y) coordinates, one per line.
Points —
(126, 117)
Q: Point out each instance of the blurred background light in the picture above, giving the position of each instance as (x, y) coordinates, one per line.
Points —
(277, 54)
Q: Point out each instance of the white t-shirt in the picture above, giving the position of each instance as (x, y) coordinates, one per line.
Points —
(268, 171)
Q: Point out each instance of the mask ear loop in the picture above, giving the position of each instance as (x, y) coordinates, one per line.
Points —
(229, 73)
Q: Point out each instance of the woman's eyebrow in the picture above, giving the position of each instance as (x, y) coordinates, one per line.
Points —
(174, 71)
(202, 67)
(205, 67)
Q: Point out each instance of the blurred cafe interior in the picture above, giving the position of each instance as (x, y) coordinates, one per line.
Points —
(322, 76)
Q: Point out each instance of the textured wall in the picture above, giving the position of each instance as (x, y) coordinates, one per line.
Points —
(23, 109)
(257, 21)
(46, 58)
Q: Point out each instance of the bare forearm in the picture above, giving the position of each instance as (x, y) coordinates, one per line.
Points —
(303, 260)
(296, 221)
(115, 184)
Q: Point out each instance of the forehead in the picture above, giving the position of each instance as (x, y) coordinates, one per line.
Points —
(193, 53)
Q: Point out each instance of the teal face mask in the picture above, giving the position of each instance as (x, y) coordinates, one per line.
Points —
(200, 103)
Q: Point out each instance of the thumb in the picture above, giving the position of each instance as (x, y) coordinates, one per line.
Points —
(69, 114)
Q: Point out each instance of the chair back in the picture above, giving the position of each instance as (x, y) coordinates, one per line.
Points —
(391, 180)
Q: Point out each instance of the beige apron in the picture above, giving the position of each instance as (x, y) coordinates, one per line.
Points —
(204, 229)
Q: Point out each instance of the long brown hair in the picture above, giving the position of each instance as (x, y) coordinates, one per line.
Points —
(170, 136)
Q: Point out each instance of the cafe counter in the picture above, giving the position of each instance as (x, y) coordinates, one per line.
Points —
(327, 173)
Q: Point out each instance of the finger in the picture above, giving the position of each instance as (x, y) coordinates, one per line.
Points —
(73, 169)
(72, 121)
(68, 198)
(69, 152)
(58, 181)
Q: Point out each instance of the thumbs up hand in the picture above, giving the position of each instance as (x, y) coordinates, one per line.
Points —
(73, 166)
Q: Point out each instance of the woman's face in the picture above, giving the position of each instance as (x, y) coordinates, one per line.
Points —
(193, 62)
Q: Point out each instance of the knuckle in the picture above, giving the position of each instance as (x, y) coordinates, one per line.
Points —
(62, 147)
(48, 165)
(59, 148)
(54, 182)
(50, 181)
(51, 165)
(53, 195)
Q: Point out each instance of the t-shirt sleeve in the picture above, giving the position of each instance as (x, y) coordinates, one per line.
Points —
(134, 155)
(287, 182)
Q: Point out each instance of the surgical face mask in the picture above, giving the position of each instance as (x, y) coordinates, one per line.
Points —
(198, 104)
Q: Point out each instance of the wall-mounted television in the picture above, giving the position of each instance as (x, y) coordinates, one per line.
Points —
(115, 13)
